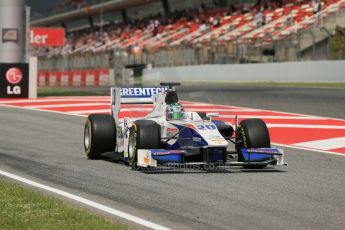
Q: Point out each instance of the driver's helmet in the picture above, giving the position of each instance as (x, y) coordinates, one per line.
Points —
(175, 111)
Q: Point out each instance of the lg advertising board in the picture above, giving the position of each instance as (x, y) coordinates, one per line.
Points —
(14, 80)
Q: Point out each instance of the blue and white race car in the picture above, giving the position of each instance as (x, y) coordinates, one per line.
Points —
(171, 136)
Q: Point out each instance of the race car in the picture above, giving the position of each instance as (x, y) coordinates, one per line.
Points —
(171, 136)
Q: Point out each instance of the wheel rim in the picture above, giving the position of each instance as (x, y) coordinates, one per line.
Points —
(132, 145)
(87, 140)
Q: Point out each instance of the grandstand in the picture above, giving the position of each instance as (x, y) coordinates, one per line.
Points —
(106, 34)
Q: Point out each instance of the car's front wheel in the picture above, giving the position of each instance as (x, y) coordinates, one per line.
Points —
(144, 134)
(252, 133)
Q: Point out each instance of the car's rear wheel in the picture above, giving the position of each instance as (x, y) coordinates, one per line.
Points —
(252, 133)
(99, 135)
(144, 134)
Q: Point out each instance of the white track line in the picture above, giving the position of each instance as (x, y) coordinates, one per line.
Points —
(138, 109)
(280, 112)
(305, 126)
(274, 117)
(86, 112)
(90, 203)
(41, 110)
(223, 110)
(326, 144)
(309, 149)
(54, 100)
(81, 97)
(66, 105)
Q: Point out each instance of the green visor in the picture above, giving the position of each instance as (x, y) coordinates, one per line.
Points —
(175, 115)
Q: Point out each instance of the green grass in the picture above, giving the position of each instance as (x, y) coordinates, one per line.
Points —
(298, 84)
(134, 81)
(278, 84)
(23, 208)
(80, 91)
(64, 91)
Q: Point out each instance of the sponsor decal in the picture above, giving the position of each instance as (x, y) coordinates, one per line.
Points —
(220, 141)
(215, 137)
(167, 152)
(171, 132)
(47, 36)
(146, 160)
(141, 92)
(207, 127)
(265, 151)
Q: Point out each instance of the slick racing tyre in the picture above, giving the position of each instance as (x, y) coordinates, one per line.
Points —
(144, 134)
(252, 133)
(99, 135)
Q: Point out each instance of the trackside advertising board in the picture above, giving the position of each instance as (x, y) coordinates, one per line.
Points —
(47, 37)
(14, 80)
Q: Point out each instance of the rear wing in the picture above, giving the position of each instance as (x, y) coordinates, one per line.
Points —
(132, 95)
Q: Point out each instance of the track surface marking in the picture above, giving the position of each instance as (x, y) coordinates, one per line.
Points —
(295, 130)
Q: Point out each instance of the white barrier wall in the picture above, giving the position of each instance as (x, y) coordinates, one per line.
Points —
(317, 71)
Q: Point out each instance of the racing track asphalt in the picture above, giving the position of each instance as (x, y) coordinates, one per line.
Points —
(327, 102)
(308, 194)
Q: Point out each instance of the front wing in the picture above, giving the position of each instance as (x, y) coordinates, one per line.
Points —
(260, 156)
